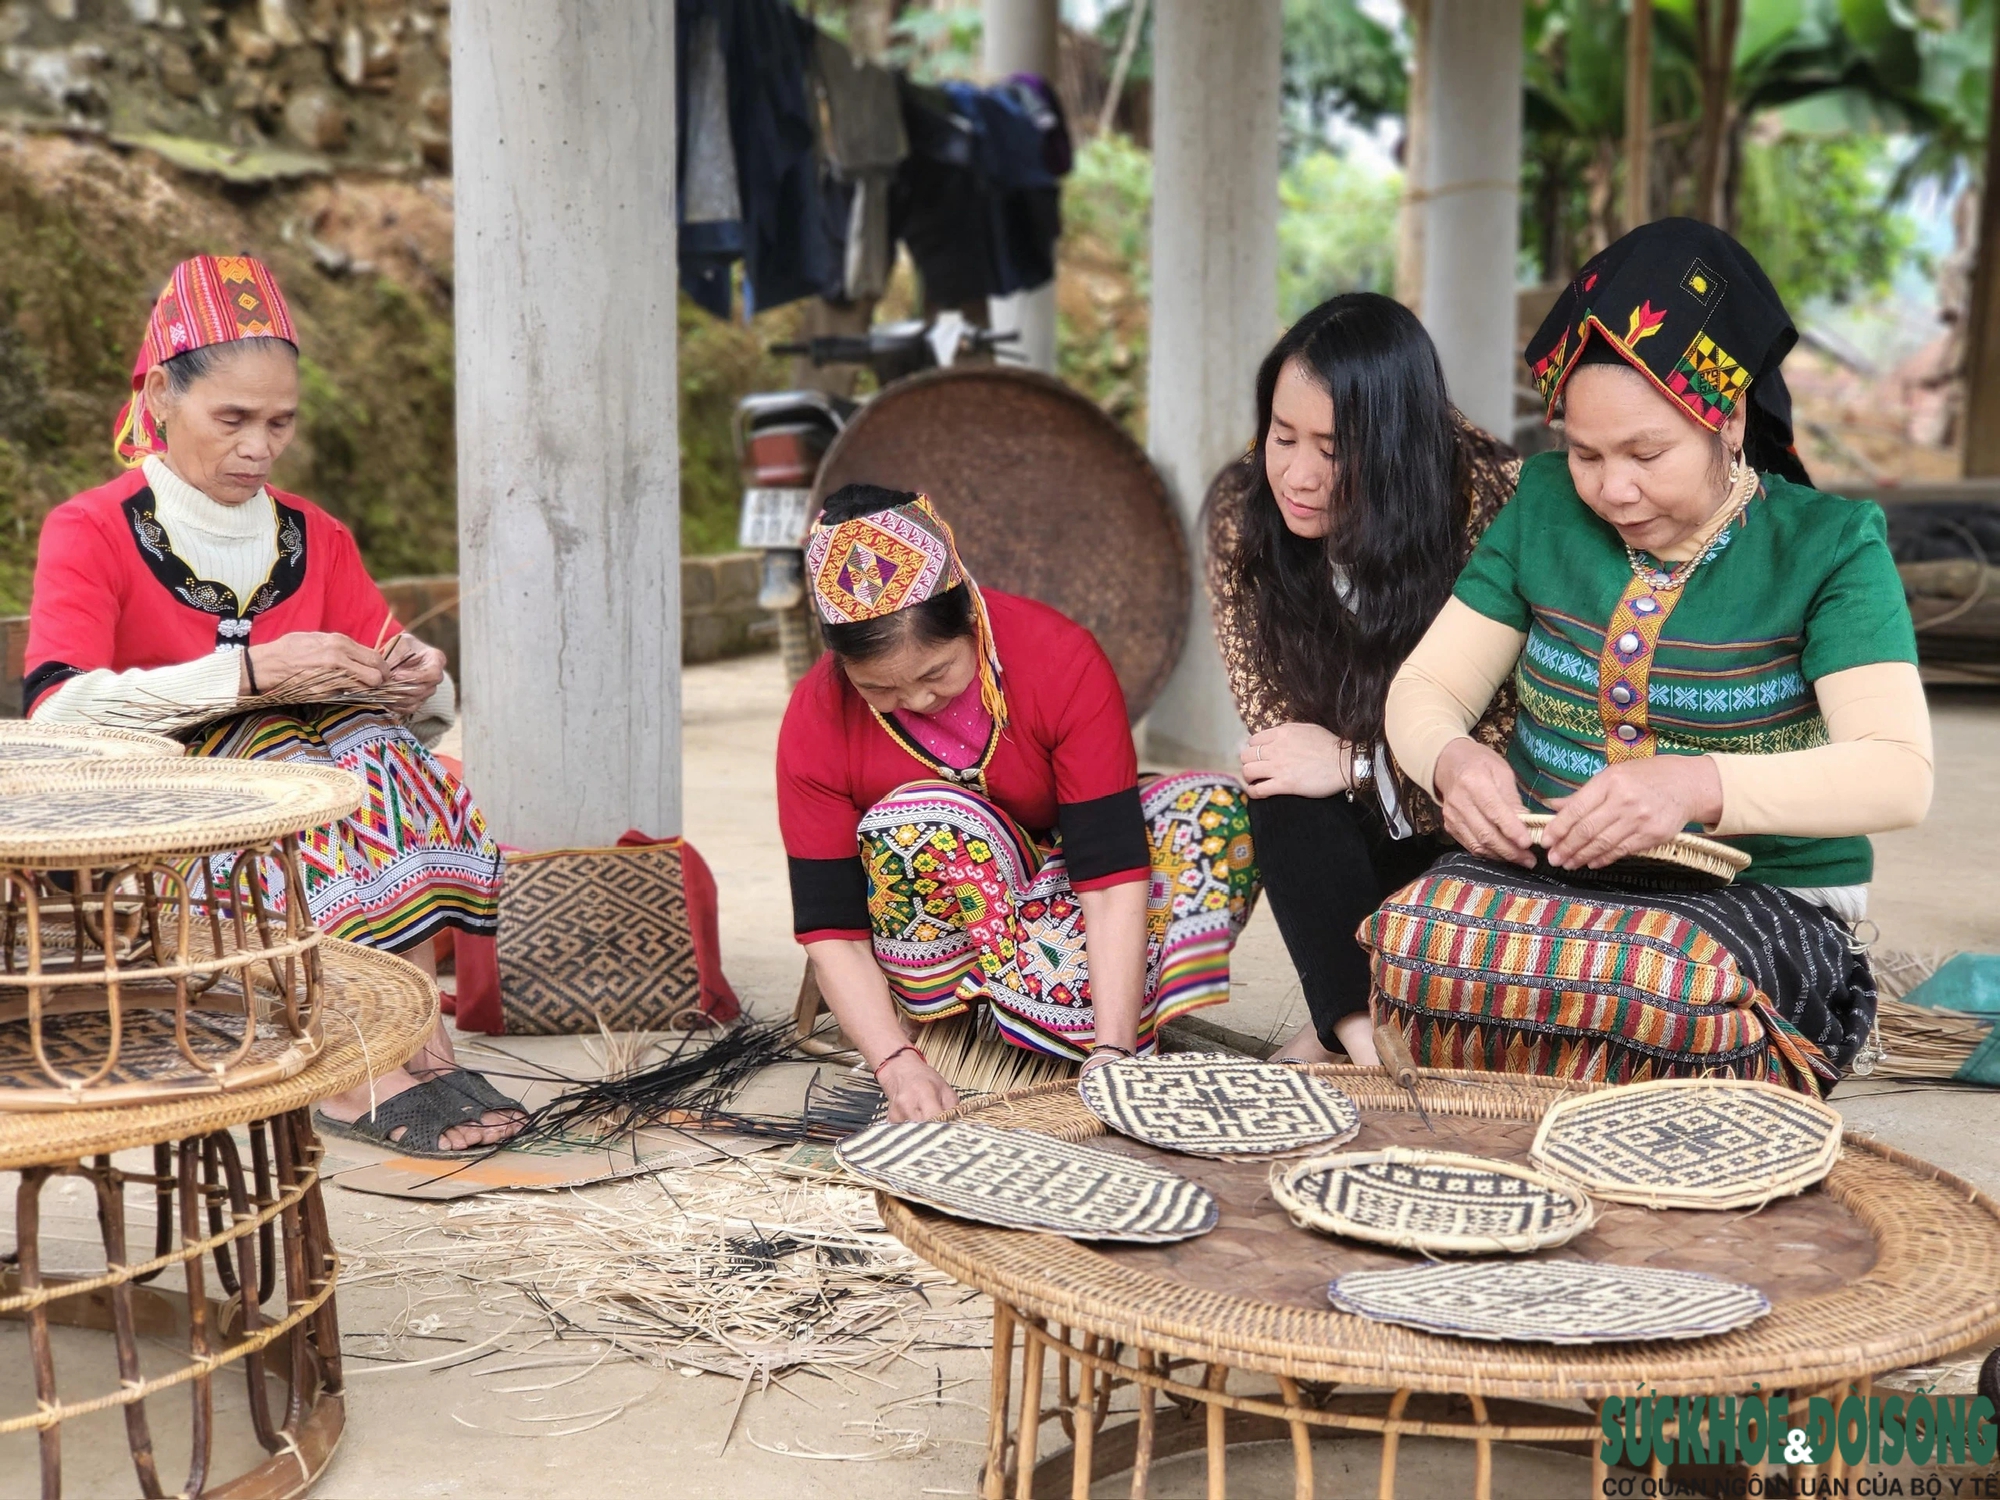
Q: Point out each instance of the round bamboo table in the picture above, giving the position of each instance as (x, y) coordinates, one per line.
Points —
(1889, 1262)
(256, 1214)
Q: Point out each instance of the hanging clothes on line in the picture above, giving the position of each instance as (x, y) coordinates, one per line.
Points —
(863, 140)
(978, 201)
(764, 47)
(809, 167)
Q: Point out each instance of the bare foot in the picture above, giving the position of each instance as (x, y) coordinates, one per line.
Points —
(1305, 1047)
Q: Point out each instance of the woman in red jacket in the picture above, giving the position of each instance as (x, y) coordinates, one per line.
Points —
(167, 597)
(964, 821)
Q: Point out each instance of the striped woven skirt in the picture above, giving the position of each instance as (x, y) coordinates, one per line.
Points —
(965, 905)
(1488, 966)
(414, 860)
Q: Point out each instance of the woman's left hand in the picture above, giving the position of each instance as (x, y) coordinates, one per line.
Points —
(415, 670)
(1297, 760)
(1630, 807)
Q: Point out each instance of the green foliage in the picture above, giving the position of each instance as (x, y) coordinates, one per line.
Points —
(1339, 63)
(1336, 231)
(1811, 211)
(1101, 294)
(937, 44)
(1108, 197)
(382, 385)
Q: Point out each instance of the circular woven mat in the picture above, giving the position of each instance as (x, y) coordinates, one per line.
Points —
(379, 1010)
(1020, 1180)
(26, 742)
(1433, 1202)
(1890, 1262)
(1047, 496)
(1551, 1301)
(1212, 1104)
(1691, 1142)
(98, 812)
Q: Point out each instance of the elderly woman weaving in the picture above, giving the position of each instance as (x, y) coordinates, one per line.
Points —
(1699, 642)
(962, 812)
(187, 596)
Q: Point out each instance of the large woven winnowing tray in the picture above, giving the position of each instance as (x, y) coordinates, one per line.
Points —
(1690, 1142)
(1018, 1179)
(1550, 1301)
(29, 742)
(1433, 1202)
(1211, 1104)
(101, 812)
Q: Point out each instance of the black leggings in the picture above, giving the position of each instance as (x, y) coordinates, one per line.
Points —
(1326, 864)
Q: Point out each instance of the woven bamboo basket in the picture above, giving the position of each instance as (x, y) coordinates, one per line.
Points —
(147, 946)
(1671, 863)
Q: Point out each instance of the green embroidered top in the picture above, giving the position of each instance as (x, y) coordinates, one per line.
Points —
(1801, 586)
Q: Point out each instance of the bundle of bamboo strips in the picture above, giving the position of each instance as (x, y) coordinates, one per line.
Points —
(970, 1054)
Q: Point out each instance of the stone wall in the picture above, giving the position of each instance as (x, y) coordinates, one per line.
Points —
(719, 617)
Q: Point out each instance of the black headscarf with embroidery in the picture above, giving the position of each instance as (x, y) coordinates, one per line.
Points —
(1690, 309)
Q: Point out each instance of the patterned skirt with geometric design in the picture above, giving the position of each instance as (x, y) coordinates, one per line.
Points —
(414, 860)
(1489, 966)
(965, 905)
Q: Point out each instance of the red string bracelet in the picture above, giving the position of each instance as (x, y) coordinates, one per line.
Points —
(906, 1047)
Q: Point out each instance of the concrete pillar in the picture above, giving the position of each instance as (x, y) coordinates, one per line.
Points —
(1215, 302)
(1020, 37)
(568, 448)
(1471, 201)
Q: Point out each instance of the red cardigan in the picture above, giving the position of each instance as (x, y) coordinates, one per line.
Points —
(110, 593)
(1064, 763)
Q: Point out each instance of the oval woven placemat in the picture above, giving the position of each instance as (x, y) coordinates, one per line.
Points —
(1550, 1301)
(1018, 1179)
(97, 812)
(28, 742)
(1213, 1104)
(1433, 1202)
(1690, 1142)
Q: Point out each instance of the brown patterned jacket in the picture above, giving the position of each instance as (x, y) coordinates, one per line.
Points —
(1494, 472)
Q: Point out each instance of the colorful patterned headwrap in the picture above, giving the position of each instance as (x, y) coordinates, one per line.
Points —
(212, 299)
(869, 566)
(1690, 309)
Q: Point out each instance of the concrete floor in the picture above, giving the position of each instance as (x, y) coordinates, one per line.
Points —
(455, 1433)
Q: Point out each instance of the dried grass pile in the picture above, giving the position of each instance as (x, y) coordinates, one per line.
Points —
(732, 1268)
(1918, 1042)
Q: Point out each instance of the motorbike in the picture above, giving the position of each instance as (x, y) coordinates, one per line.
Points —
(782, 438)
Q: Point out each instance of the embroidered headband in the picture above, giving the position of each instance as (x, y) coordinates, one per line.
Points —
(888, 560)
(1692, 311)
(212, 299)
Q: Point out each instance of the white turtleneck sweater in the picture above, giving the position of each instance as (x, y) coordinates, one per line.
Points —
(234, 545)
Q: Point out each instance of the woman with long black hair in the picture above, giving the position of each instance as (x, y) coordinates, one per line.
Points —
(1332, 544)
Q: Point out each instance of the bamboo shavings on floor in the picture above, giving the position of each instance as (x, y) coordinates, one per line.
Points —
(1917, 1041)
(730, 1268)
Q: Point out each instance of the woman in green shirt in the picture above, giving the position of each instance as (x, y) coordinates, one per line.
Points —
(1700, 642)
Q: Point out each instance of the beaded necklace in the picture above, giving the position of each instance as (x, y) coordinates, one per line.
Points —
(1744, 488)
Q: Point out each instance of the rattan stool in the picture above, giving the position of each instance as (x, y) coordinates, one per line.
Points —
(146, 945)
(1235, 1332)
(250, 1205)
